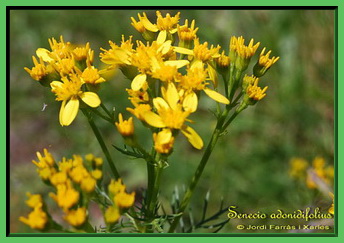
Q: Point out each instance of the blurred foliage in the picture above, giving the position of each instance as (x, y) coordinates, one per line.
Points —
(249, 167)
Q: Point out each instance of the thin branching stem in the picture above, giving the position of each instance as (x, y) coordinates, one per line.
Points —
(102, 144)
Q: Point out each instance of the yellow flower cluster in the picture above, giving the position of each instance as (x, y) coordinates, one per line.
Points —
(73, 179)
(69, 71)
(120, 199)
(178, 80)
(300, 169)
(38, 218)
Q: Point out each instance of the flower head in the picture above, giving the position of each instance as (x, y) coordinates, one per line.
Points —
(253, 92)
(264, 63)
(124, 200)
(76, 217)
(112, 215)
(186, 33)
(69, 92)
(37, 219)
(163, 141)
(40, 70)
(125, 127)
(66, 196)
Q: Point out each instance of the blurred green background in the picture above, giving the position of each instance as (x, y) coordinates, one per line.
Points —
(248, 168)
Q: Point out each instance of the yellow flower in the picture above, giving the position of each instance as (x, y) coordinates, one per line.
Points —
(163, 72)
(76, 217)
(65, 165)
(124, 200)
(200, 51)
(253, 91)
(125, 127)
(138, 25)
(118, 55)
(139, 96)
(88, 184)
(116, 187)
(89, 157)
(82, 53)
(163, 141)
(78, 173)
(44, 161)
(112, 215)
(222, 61)
(66, 196)
(35, 200)
(264, 63)
(319, 163)
(195, 80)
(46, 173)
(171, 115)
(186, 33)
(98, 161)
(60, 50)
(140, 110)
(97, 174)
(37, 219)
(166, 25)
(69, 92)
(240, 52)
(91, 76)
(40, 70)
(58, 178)
(238, 45)
(65, 66)
(298, 167)
(45, 165)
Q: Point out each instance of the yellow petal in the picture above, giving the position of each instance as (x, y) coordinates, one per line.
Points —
(70, 111)
(216, 96)
(56, 84)
(138, 82)
(196, 64)
(174, 31)
(160, 103)
(148, 25)
(177, 63)
(172, 96)
(193, 137)
(212, 75)
(61, 110)
(153, 119)
(190, 102)
(164, 48)
(90, 98)
(44, 54)
(165, 136)
(162, 37)
(183, 50)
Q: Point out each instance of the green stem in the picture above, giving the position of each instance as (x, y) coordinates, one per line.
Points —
(154, 176)
(101, 115)
(107, 111)
(188, 194)
(150, 185)
(102, 145)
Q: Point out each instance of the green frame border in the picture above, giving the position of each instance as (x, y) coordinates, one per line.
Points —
(266, 237)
